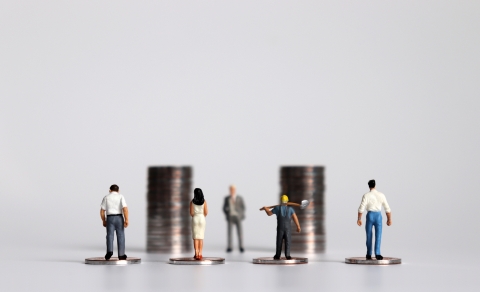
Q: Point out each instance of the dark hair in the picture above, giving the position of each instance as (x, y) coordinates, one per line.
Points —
(114, 188)
(198, 197)
(371, 183)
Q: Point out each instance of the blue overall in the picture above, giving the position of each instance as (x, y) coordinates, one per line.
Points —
(374, 219)
(284, 228)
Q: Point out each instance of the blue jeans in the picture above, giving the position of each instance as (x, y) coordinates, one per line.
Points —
(374, 219)
(115, 223)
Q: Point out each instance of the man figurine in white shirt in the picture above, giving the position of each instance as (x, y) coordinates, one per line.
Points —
(373, 202)
(114, 205)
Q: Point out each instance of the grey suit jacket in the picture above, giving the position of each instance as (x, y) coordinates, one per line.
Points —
(239, 207)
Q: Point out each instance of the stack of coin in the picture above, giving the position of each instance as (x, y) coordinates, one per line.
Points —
(306, 183)
(168, 215)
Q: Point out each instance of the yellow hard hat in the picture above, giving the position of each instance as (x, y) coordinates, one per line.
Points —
(284, 199)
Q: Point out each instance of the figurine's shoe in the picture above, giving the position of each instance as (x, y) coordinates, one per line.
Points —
(241, 249)
(369, 257)
(378, 257)
(288, 258)
(229, 250)
(276, 257)
(108, 255)
(124, 257)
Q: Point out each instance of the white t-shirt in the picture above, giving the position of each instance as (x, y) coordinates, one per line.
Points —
(113, 203)
(373, 201)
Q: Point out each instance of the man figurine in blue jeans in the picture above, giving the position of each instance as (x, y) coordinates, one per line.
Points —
(115, 207)
(285, 214)
(373, 202)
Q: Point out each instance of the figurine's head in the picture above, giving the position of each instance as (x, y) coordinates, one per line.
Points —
(114, 188)
(198, 197)
(284, 199)
(371, 184)
(233, 190)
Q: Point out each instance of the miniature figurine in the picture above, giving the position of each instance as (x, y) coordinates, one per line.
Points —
(373, 202)
(284, 213)
(116, 209)
(198, 211)
(234, 210)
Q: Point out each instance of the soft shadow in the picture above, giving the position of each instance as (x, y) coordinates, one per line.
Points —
(64, 261)
(325, 261)
(260, 249)
(135, 249)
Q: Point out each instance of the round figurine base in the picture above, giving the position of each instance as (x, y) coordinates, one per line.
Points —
(373, 261)
(113, 261)
(192, 261)
(281, 261)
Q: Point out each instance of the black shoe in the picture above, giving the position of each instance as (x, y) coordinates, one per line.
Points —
(276, 257)
(369, 257)
(378, 257)
(229, 250)
(241, 249)
(124, 257)
(108, 255)
(288, 258)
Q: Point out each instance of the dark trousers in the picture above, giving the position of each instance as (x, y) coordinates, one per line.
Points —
(235, 220)
(115, 224)
(283, 234)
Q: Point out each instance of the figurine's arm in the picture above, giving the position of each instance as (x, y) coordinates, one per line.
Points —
(389, 218)
(293, 204)
(361, 209)
(267, 210)
(388, 211)
(191, 209)
(225, 206)
(125, 214)
(205, 209)
(295, 219)
(102, 215)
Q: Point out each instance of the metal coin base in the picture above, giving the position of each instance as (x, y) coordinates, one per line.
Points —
(113, 261)
(192, 261)
(373, 261)
(281, 261)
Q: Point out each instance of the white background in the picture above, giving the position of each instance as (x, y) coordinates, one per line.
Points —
(94, 92)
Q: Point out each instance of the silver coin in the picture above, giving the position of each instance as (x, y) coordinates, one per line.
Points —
(169, 192)
(306, 183)
(112, 261)
(192, 261)
(281, 261)
(373, 261)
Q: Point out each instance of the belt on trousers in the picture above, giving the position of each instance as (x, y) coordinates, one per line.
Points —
(114, 215)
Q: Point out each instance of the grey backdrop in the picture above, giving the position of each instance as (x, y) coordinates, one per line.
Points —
(94, 92)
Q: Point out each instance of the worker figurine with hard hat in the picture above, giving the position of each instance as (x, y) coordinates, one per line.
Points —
(284, 226)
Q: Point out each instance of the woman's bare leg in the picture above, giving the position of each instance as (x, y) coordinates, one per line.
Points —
(200, 246)
(195, 246)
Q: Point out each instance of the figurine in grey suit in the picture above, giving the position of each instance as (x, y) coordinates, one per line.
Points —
(234, 210)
